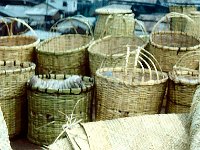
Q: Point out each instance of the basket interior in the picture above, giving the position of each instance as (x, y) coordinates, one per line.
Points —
(64, 43)
(115, 45)
(137, 76)
(17, 40)
(172, 39)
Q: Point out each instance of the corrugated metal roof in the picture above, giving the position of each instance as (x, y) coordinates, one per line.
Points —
(42, 9)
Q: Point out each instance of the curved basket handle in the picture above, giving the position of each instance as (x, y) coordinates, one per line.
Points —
(178, 69)
(54, 27)
(143, 29)
(20, 21)
(167, 17)
(106, 26)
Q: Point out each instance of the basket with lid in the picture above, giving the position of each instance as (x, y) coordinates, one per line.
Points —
(14, 45)
(115, 20)
(53, 100)
(109, 48)
(168, 46)
(13, 76)
(132, 89)
(183, 80)
(65, 54)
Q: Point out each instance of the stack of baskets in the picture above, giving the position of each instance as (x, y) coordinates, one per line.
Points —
(115, 20)
(16, 67)
(179, 24)
(49, 108)
(132, 89)
(65, 53)
(184, 79)
(169, 46)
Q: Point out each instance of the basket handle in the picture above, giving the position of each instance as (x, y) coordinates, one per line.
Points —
(54, 27)
(10, 32)
(167, 17)
(189, 55)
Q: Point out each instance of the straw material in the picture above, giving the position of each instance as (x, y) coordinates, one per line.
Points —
(108, 50)
(133, 133)
(179, 24)
(183, 82)
(65, 54)
(18, 47)
(117, 97)
(4, 139)
(193, 28)
(47, 108)
(13, 76)
(115, 25)
(169, 46)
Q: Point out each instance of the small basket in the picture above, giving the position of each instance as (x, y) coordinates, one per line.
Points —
(48, 108)
(13, 76)
(184, 79)
(179, 24)
(115, 20)
(169, 46)
(109, 48)
(17, 47)
(130, 90)
(65, 54)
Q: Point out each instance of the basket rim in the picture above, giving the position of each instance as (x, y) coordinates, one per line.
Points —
(91, 51)
(71, 91)
(183, 80)
(72, 50)
(34, 44)
(170, 47)
(150, 82)
(31, 66)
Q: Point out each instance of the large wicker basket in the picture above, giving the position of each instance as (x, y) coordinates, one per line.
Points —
(183, 82)
(109, 48)
(15, 46)
(179, 24)
(128, 91)
(115, 20)
(65, 54)
(169, 46)
(48, 108)
(13, 76)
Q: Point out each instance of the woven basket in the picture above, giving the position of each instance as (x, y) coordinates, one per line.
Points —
(109, 48)
(114, 20)
(13, 76)
(65, 54)
(164, 131)
(17, 47)
(128, 91)
(48, 108)
(183, 82)
(179, 24)
(169, 46)
(193, 28)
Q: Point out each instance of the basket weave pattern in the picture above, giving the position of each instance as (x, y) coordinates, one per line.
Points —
(13, 94)
(47, 109)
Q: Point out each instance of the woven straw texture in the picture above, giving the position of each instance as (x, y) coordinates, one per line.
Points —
(47, 109)
(183, 82)
(18, 47)
(193, 28)
(65, 54)
(179, 24)
(131, 89)
(108, 49)
(169, 46)
(4, 138)
(133, 133)
(13, 76)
